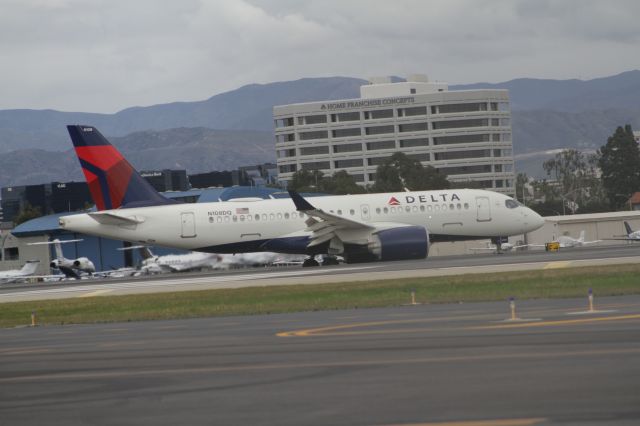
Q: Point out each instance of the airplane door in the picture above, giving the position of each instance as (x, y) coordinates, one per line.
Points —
(483, 208)
(364, 212)
(188, 225)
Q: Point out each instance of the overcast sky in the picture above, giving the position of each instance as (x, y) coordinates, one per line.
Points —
(107, 55)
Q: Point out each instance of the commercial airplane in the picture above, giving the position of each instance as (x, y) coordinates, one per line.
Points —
(71, 268)
(365, 227)
(14, 275)
(631, 235)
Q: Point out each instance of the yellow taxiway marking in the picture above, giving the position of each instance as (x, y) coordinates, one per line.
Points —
(95, 293)
(164, 372)
(558, 265)
(494, 422)
(559, 322)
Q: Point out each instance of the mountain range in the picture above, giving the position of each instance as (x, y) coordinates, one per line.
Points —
(235, 128)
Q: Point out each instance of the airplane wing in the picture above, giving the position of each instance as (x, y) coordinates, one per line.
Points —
(591, 242)
(110, 218)
(483, 248)
(621, 239)
(324, 225)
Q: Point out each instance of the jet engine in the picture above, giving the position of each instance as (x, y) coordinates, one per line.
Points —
(399, 243)
(84, 264)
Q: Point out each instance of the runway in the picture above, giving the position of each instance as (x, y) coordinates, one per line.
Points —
(459, 364)
(436, 266)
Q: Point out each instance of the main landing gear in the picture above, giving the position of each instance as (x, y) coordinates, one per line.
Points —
(310, 261)
(326, 260)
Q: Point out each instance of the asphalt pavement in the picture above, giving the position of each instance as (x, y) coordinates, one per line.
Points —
(458, 364)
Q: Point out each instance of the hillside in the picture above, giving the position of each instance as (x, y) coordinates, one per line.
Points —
(547, 114)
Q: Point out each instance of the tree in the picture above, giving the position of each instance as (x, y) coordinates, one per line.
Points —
(576, 177)
(522, 192)
(314, 181)
(620, 165)
(27, 213)
(399, 172)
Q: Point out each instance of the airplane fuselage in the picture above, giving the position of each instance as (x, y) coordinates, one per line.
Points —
(275, 225)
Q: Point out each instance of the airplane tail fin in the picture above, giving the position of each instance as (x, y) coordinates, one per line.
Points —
(58, 247)
(581, 238)
(112, 181)
(30, 267)
(628, 227)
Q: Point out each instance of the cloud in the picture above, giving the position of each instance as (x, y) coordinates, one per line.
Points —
(102, 56)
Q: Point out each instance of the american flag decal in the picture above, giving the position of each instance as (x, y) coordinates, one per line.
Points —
(242, 210)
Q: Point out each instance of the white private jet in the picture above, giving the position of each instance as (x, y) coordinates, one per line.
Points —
(153, 264)
(71, 268)
(364, 227)
(14, 275)
(499, 248)
(565, 241)
(631, 235)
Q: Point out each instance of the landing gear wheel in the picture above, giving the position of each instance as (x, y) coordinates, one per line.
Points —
(330, 260)
(310, 261)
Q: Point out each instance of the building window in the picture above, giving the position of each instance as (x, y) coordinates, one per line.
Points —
(345, 116)
(410, 143)
(314, 150)
(419, 157)
(284, 153)
(413, 127)
(375, 161)
(497, 168)
(449, 140)
(351, 147)
(381, 145)
(464, 170)
(379, 130)
(456, 108)
(318, 134)
(358, 178)
(284, 122)
(312, 119)
(412, 91)
(286, 137)
(457, 155)
(456, 124)
(342, 164)
(377, 114)
(11, 253)
(345, 133)
(316, 165)
(411, 112)
(288, 168)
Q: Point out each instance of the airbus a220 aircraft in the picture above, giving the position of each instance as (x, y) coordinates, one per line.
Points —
(366, 227)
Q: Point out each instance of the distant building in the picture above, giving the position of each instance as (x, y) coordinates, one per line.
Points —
(634, 201)
(465, 134)
(167, 180)
(217, 179)
(636, 136)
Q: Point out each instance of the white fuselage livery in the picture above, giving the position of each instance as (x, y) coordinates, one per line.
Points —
(250, 226)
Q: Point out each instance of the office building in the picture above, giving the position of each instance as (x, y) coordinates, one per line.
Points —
(465, 134)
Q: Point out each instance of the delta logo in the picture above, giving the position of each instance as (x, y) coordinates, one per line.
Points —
(393, 201)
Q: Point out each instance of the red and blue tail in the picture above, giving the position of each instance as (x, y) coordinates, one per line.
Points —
(112, 181)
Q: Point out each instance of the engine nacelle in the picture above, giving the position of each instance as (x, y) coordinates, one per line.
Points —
(84, 264)
(400, 243)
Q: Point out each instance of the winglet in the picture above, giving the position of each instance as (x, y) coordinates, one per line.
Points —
(302, 205)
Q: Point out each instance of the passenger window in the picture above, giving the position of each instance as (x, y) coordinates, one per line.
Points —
(466, 206)
(340, 212)
(415, 209)
(219, 219)
(408, 209)
(257, 217)
(249, 218)
(444, 207)
(459, 206)
(272, 216)
(279, 215)
(235, 218)
(429, 208)
(211, 219)
(451, 207)
(385, 210)
(242, 218)
(286, 215)
(421, 208)
(264, 216)
(227, 219)
(352, 212)
(393, 209)
(436, 207)
(294, 215)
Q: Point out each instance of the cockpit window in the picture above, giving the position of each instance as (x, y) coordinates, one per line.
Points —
(511, 204)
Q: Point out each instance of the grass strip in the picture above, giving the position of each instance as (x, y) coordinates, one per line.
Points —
(552, 283)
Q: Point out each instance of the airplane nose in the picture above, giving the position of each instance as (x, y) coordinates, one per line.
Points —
(535, 219)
